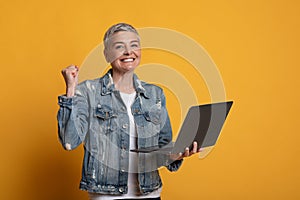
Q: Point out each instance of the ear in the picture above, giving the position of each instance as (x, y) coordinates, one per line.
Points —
(106, 55)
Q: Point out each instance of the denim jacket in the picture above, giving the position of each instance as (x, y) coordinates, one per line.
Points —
(97, 117)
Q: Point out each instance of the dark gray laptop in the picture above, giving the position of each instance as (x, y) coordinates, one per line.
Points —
(203, 124)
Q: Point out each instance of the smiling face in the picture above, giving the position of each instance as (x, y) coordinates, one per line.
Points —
(123, 51)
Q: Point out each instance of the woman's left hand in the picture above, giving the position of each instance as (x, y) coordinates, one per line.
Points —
(186, 152)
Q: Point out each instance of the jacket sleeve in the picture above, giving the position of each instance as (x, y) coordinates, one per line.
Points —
(165, 137)
(72, 118)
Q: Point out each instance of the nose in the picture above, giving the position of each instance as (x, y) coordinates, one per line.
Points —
(127, 50)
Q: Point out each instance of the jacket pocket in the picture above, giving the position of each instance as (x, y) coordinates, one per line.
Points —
(149, 132)
(153, 116)
(106, 118)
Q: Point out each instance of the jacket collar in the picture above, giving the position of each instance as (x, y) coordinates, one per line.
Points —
(108, 84)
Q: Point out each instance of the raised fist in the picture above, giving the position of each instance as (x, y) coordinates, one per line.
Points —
(70, 75)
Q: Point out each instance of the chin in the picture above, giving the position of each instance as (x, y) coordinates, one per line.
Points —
(129, 68)
(125, 67)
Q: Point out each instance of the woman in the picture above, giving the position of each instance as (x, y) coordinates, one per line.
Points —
(112, 115)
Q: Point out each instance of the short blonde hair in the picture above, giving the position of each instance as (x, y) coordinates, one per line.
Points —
(116, 28)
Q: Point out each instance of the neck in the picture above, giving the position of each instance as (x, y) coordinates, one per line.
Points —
(123, 81)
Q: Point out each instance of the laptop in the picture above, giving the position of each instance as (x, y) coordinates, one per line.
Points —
(203, 124)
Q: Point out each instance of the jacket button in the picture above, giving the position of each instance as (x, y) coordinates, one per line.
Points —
(121, 189)
(125, 125)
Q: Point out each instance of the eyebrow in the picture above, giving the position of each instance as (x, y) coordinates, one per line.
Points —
(123, 42)
(134, 41)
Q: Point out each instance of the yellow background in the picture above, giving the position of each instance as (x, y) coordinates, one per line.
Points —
(255, 45)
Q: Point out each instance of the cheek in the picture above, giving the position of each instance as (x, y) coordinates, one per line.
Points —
(114, 55)
(137, 53)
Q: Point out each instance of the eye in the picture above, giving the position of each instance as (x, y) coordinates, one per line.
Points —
(134, 45)
(119, 46)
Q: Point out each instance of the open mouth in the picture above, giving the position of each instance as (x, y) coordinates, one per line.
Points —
(127, 60)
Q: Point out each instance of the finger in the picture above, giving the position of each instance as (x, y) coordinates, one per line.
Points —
(180, 156)
(74, 73)
(76, 67)
(70, 68)
(194, 147)
(200, 149)
(69, 73)
(186, 152)
(65, 71)
(176, 156)
(73, 68)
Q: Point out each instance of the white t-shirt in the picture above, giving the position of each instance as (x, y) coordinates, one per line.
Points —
(133, 185)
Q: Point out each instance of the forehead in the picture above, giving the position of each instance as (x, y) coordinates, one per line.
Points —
(124, 37)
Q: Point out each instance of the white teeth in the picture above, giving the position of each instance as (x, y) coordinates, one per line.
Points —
(128, 60)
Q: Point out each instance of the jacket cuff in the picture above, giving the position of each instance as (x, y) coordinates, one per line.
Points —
(65, 101)
(174, 165)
